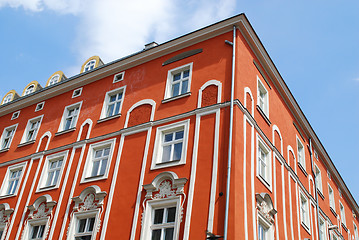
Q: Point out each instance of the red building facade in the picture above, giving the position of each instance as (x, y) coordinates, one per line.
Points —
(139, 148)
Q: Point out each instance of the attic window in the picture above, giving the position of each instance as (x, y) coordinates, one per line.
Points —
(90, 65)
(8, 98)
(54, 79)
(15, 115)
(118, 77)
(77, 92)
(29, 89)
(39, 106)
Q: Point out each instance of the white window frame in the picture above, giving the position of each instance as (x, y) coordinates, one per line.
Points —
(33, 223)
(5, 183)
(318, 178)
(15, 115)
(4, 137)
(40, 106)
(119, 77)
(304, 204)
(2, 230)
(8, 98)
(171, 73)
(28, 128)
(106, 102)
(334, 236)
(90, 65)
(45, 170)
(77, 92)
(52, 80)
(331, 197)
(342, 213)
(86, 175)
(267, 179)
(261, 89)
(268, 227)
(65, 115)
(158, 148)
(301, 153)
(151, 205)
(322, 229)
(356, 233)
(72, 233)
(27, 91)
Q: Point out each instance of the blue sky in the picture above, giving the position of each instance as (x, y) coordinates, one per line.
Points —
(314, 44)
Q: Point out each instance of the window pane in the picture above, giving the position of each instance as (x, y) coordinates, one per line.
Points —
(41, 231)
(117, 110)
(56, 177)
(179, 135)
(98, 153)
(49, 178)
(110, 110)
(171, 214)
(91, 222)
(156, 234)
(184, 87)
(158, 216)
(35, 229)
(166, 154)
(177, 77)
(82, 225)
(106, 151)
(175, 89)
(168, 137)
(177, 151)
(169, 233)
(103, 167)
(95, 168)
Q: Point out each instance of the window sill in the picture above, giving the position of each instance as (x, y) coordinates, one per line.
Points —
(320, 194)
(305, 227)
(43, 189)
(333, 211)
(7, 196)
(167, 164)
(94, 178)
(302, 169)
(176, 97)
(4, 150)
(108, 118)
(26, 143)
(344, 227)
(263, 115)
(265, 182)
(65, 131)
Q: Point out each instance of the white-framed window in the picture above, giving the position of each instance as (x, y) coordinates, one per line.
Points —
(31, 130)
(36, 229)
(356, 234)
(113, 102)
(264, 166)
(29, 89)
(83, 226)
(12, 180)
(322, 229)
(70, 117)
(15, 115)
(54, 79)
(179, 81)
(262, 97)
(39, 106)
(119, 77)
(7, 99)
(262, 231)
(162, 219)
(90, 65)
(318, 178)
(52, 171)
(171, 145)
(301, 153)
(304, 210)
(77, 92)
(98, 160)
(342, 213)
(331, 197)
(7, 136)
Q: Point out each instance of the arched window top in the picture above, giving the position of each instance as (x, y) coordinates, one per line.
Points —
(11, 95)
(31, 87)
(91, 63)
(55, 78)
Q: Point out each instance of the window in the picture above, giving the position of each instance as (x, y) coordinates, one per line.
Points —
(301, 153)
(37, 232)
(70, 117)
(39, 106)
(331, 197)
(318, 178)
(356, 234)
(322, 229)
(113, 103)
(54, 79)
(171, 145)
(161, 220)
(12, 180)
(304, 210)
(118, 77)
(98, 160)
(77, 92)
(262, 231)
(90, 65)
(15, 115)
(29, 89)
(84, 228)
(52, 171)
(7, 137)
(31, 130)
(179, 81)
(342, 213)
(262, 100)
(263, 162)
(7, 98)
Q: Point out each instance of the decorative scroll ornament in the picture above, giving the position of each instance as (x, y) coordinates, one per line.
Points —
(5, 212)
(265, 207)
(41, 208)
(165, 190)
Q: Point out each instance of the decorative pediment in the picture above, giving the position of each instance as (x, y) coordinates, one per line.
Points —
(42, 207)
(5, 212)
(90, 198)
(164, 185)
(265, 206)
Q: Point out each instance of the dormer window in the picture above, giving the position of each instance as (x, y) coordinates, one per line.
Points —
(7, 98)
(29, 89)
(54, 79)
(90, 65)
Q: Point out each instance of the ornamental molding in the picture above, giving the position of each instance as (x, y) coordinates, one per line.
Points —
(265, 207)
(41, 208)
(5, 212)
(90, 198)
